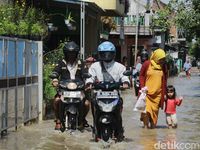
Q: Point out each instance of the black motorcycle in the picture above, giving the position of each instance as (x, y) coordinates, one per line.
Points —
(136, 83)
(72, 95)
(107, 105)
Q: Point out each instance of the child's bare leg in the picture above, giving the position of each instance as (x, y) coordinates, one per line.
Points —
(169, 126)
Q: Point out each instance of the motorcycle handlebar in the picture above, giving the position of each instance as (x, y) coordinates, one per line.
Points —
(108, 85)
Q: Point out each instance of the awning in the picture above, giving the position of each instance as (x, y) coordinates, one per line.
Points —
(69, 1)
(91, 5)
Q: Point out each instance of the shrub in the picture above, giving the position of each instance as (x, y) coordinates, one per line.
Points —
(50, 59)
(49, 90)
(18, 20)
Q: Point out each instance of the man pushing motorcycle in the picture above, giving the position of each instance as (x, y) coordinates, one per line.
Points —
(108, 70)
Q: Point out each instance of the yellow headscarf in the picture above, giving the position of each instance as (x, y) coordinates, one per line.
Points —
(156, 56)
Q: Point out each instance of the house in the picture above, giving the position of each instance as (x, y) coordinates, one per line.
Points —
(87, 24)
(134, 32)
(129, 32)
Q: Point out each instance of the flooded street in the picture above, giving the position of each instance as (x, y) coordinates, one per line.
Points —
(42, 136)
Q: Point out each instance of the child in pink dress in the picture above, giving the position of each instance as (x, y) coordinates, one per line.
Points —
(170, 106)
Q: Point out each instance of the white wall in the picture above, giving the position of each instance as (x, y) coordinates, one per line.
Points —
(133, 4)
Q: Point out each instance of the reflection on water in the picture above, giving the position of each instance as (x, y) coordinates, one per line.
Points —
(168, 141)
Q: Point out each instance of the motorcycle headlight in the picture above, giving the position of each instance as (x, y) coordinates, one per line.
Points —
(109, 106)
(72, 86)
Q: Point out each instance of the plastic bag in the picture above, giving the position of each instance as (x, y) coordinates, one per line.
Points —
(141, 102)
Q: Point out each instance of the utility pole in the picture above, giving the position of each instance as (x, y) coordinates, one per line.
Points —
(136, 32)
(82, 30)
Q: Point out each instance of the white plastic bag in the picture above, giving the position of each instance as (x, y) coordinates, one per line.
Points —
(141, 102)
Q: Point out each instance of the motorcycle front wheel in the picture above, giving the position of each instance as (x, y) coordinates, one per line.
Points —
(106, 132)
(72, 121)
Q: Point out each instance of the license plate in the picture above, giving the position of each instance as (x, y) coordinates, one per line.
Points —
(72, 94)
(107, 95)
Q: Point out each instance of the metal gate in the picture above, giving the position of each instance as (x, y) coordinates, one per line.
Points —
(20, 88)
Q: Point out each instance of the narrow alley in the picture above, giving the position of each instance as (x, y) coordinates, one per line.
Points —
(42, 136)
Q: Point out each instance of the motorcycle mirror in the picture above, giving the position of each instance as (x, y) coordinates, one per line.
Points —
(54, 75)
(127, 73)
(86, 75)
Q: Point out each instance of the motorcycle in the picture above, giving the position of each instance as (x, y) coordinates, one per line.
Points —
(107, 106)
(72, 95)
(136, 83)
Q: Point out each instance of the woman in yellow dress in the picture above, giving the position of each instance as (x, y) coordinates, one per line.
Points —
(153, 76)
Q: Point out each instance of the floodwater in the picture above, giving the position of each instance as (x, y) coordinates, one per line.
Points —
(42, 136)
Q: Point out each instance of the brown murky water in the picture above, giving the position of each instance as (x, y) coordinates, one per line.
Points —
(187, 136)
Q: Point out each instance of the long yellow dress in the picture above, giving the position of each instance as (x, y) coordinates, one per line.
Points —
(153, 80)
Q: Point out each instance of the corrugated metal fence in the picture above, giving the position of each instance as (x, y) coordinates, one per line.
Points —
(19, 93)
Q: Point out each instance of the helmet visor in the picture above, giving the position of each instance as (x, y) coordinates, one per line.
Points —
(71, 56)
(106, 56)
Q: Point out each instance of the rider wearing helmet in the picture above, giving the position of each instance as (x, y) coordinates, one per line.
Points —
(106, 63)
(68, 68)
(71, 51)
(144, 56)
(140, 60)
(106, 52)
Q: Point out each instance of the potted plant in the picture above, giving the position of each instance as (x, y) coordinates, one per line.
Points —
(69, 22)
(69, 19)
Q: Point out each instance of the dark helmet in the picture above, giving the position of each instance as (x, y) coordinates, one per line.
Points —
(70, 50)
(70, 46)
(106, 51)
(144, 56)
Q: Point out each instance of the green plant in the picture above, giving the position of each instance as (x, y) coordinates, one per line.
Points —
(50, 59)
(21, 20)
(161, 20)
(35, 20)
(70, 18)
(2, 30)
(9, 27)
(22, 28)
(37, 29)
(49, 91)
